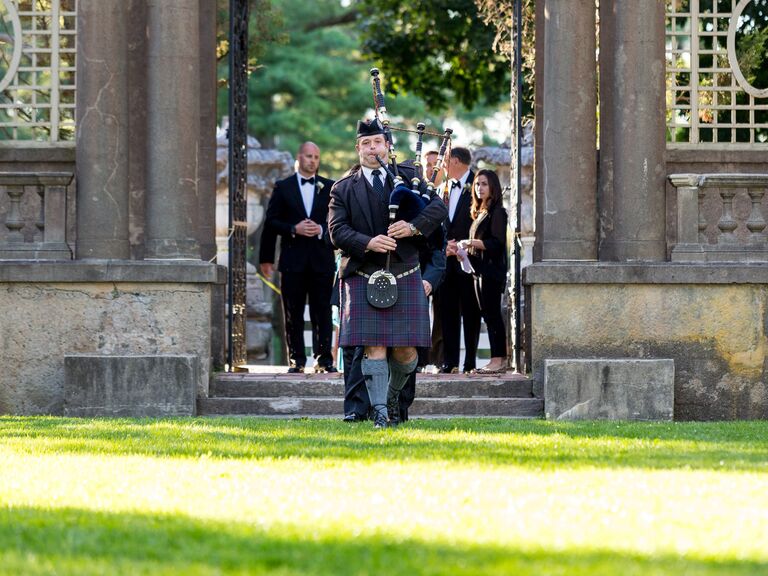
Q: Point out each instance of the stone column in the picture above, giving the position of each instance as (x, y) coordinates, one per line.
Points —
(173, 129)
(568, 195)
(207, 167)
(607, 51)
(102, 130)
(137, 133)
(639, 106)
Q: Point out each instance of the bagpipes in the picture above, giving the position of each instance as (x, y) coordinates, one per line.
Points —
(404, 202)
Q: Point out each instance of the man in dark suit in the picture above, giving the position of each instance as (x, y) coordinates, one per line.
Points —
(298, 213)
(456, 296)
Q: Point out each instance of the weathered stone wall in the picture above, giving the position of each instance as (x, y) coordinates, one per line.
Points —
(711, 322)
(104, 307)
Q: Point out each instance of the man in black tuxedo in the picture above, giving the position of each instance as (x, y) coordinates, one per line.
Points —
(456, 296)
(298, 213)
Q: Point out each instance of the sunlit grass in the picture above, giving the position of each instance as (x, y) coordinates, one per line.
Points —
(313, 497)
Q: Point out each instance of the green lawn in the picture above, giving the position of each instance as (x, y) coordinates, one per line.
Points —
(316, 497)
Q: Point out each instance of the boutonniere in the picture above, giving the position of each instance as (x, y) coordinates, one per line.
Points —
(467, 187)
(318, 187)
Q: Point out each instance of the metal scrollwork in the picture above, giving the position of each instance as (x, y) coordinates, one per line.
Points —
(238, 166)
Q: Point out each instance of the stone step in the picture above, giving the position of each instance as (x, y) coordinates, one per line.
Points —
(333, 407)
(427, 386)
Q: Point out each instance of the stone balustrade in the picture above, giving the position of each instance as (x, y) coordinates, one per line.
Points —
(33, 207)
(720, 218)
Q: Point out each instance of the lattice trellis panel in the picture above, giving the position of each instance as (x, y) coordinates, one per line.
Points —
(37, 70)
(706, 104)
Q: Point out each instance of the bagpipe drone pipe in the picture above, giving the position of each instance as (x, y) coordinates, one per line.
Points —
(407, 202)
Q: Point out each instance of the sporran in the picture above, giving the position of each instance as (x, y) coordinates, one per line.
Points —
(381, 289)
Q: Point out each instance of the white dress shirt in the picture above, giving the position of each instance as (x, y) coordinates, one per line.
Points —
(456, 195)
(368, 173)
(307, 193)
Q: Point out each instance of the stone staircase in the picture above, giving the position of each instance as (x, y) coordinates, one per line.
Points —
(283, 395)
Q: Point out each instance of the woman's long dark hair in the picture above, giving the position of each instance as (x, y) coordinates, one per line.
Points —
(494, 193)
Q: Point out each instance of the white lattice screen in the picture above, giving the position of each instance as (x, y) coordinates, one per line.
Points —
(707, 103)
(37, 70)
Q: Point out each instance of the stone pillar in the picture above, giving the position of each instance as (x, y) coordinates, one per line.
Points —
(173, 129)
(639, 107)
(606, 92)
(137, 132)
(102, 130)
(568, 194)
(207, 167)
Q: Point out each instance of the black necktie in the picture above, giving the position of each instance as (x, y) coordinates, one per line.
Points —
(308, 181)
(378, 185)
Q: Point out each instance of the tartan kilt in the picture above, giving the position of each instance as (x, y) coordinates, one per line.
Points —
(404, 324)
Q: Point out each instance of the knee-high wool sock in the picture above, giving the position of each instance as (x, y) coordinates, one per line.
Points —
(376, 373)
(398, 376)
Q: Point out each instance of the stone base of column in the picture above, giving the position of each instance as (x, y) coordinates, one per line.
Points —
(569, 250)
(102, 249)
(635, 251)
(110, 309)
(172, 249)
(707, 318)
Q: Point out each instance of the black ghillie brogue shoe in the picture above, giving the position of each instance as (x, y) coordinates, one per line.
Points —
(394, 415)
(296, 370)
(380, 419)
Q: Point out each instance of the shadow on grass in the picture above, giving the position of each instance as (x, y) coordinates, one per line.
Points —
(83, 542)
(531, 443)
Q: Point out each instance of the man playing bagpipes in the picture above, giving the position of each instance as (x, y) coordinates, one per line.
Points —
(376, 221)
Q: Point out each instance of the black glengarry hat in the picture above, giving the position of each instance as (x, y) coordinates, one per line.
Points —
(369, 128)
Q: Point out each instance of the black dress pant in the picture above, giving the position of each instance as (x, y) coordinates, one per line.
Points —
(296, 288)
(458, 305)
(356, 399)
(490, 292)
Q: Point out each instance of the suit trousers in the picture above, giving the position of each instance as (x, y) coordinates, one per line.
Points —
(490, 292)
(356, 399)
(296, 288)
(458, 305)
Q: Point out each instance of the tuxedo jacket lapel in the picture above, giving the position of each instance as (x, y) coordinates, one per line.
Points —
(294, 196)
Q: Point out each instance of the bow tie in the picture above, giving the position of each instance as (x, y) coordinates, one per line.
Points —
(455, 184)
(308, 181)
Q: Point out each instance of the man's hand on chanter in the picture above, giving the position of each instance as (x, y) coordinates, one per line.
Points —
(381, 243)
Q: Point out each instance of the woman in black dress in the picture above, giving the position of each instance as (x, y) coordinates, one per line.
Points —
(487, 251)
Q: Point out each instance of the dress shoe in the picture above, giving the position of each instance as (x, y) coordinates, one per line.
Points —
(380, 419)
(447, 370)
(394, 415)
(330, 369)
(296, 370)
(352, 417)
(500, 370)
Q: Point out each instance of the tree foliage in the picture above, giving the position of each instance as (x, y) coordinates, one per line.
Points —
(312, 82)
(439, 50)
(500, 15)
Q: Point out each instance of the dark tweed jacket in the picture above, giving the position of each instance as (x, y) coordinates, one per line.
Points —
(355, 215)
